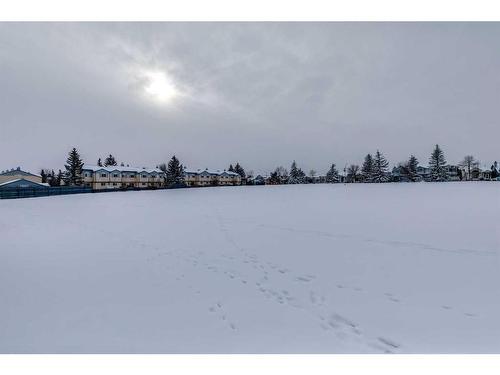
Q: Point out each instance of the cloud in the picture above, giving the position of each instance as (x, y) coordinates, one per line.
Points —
(260, 93)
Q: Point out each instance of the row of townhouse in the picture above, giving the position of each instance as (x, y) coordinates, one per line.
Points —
(206, 177)
(114, 177)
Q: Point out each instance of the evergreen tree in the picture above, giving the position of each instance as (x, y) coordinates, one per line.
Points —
(494, 170)
(230, 169)
(409, 169)
(281, 175)
(110, 161)
(174, 172)
(99, 163)
(74, 165)
(367, 168)
(332, 175)
(412, 168)
(437, 165)
(292, 179)
(52, 178)
(44, 176)
(274, 178)
(59, 178)
(297, 175)
(380, 167)
(239, 169)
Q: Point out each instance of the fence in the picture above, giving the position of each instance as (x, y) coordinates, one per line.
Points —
(12, 193)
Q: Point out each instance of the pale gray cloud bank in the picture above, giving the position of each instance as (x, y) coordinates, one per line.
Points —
(259, 93)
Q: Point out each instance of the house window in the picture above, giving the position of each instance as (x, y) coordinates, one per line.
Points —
(103, 174)
(103, 184)
(115, 175)
(114, 183)
(86, 174)
(144, 176)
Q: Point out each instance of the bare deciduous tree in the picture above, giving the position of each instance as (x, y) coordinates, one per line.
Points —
(469, 163)
(352, 173)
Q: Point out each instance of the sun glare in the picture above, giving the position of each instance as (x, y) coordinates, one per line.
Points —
(159, 87)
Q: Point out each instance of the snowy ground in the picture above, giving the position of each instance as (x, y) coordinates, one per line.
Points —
(400, 268)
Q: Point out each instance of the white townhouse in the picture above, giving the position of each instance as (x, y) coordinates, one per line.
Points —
(117, 177)
(206, 177)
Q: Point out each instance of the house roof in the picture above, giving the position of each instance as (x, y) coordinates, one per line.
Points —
(216, 172)
(22, 179)
(95, 168)
(18, 172)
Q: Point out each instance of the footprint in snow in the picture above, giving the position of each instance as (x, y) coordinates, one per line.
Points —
(388, 342)
(304, 279)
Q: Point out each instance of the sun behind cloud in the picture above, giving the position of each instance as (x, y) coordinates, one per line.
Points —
(159, 87)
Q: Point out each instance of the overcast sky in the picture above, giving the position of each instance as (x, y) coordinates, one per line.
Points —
(262, 94)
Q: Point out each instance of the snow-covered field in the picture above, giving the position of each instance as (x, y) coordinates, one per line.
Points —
(400, 268)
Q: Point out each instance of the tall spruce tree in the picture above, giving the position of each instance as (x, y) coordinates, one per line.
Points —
(110, 161)
(437, 164)
(231, 168)
(74, 165)
(239, 169)
(99, 162)
(297, 175)
(332, 175)
(409, 169)
(494, 171)
(380, 168)
(174, 172)
(412, 168)
(367, 168)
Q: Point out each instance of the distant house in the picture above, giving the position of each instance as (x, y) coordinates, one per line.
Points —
(206, 177)
(114, 177)
(320, 179)
(259, 180)
(424, 173)
(18, 174)
(454, 173)
(397, 175)
(485, 175)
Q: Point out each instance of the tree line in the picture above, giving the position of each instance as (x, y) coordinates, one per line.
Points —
(374, 169)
